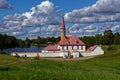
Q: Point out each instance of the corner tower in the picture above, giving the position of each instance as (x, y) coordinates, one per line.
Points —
(63, 30)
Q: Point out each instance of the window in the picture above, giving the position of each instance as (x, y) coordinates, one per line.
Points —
(72, 47)
(77, 42)
(62, 47)
(78, 47)
(81, 47)
(67, 47)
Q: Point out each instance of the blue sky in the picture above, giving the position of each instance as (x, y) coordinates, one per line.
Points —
(32, 18)
(25, 5)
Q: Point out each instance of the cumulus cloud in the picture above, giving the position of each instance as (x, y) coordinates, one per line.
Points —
(39, 16)
(37, 30)
(76, 28)
(44, 20)
(102, 15)
(101, 11)
(42, 14)
(83, 29)
(115, 28)
(51, 30)
(4, 5)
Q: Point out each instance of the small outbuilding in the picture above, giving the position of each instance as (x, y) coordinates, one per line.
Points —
(93, 51)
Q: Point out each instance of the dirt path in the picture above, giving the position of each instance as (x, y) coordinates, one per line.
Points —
(56, 59)
(68, 59)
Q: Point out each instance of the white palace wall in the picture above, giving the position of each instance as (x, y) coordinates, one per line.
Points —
(34, 54)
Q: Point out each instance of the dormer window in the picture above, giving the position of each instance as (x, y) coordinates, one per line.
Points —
(69, 42)
(77, 42)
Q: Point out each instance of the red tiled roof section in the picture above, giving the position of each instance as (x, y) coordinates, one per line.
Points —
(92, 48)
(74, 40)
(63, 24)
(51, 48)
(63, 41)
(70, 40)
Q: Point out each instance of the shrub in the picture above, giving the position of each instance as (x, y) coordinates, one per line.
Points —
(37, 58)
(17, 56)
(24, 57)
(4, 68)
(110, 48)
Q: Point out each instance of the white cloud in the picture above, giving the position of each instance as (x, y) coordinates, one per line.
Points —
(83, 29)
(4, 5)
(101, 16)
(37, 30)
(44, 20)
(51, 30)
(17, 33)
(101, 11)
(43, 14)
(115, 28)
(76, 28)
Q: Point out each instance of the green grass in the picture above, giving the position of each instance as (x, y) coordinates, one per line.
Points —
(104, 67)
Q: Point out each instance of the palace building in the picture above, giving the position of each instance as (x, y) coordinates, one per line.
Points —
(67, 46)
(66, 43)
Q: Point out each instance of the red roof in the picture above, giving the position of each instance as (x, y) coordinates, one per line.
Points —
(51, 48)
(63, 24)
(92, 48)
(63, 41)
(72, 40)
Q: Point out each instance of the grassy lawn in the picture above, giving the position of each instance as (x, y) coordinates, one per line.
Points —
(104, 67)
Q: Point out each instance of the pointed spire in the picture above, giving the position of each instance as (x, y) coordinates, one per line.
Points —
(63, 31)
(63, 24)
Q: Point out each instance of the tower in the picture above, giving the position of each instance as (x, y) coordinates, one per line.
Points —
(63, 31)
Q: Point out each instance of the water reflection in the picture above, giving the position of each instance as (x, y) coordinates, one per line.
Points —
(31, 49)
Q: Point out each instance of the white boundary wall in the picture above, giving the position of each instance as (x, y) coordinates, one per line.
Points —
(34, 54)
(51, 54)
(97, 51)
(76, 54)
(27, 54)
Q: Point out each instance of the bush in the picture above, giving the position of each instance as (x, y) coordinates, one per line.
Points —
(17, 56)
(110, 48)
(24, 57)
(0, 51)
(4, 68)
(37, 58)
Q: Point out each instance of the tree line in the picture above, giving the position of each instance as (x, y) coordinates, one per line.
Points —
(107, 38)
(11, 42)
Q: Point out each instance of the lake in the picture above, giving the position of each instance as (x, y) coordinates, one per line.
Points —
(30, 49)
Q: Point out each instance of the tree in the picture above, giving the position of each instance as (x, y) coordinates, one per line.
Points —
(27, 42)
(108, 37)
(8, 42)
(117, 38)
(88, 40)
(98, 39)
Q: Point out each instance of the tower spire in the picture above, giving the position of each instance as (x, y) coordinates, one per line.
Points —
(63, 24)
(63, 31)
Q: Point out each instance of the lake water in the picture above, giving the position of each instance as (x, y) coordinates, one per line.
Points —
(31, 49)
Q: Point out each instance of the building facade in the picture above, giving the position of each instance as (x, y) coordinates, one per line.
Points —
(66, 43)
